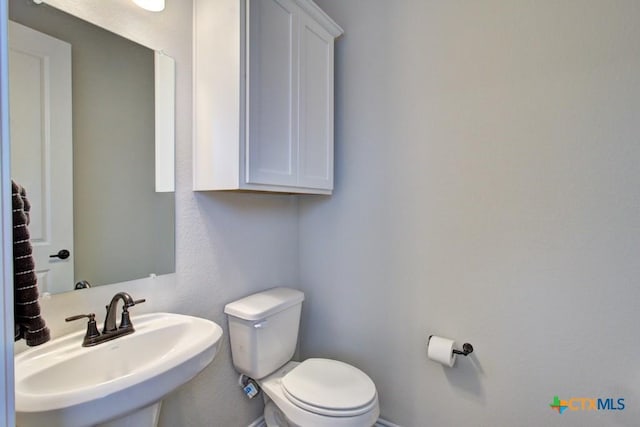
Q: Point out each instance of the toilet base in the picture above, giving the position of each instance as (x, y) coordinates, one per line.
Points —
(274, 417)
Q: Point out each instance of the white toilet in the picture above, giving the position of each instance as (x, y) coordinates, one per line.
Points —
(263, 328)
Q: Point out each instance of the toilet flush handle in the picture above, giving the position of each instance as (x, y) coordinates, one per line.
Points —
(260, 325)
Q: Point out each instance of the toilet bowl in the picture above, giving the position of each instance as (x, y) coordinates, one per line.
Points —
(263, 329)
(319, 393)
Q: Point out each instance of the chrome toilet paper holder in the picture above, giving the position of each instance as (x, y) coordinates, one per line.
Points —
(467, 348)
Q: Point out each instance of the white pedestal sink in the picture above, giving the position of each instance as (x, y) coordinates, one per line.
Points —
(116, 383)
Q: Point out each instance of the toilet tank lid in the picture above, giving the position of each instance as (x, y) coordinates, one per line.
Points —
(264, 304)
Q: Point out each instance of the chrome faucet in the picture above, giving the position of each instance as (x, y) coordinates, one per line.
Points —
(110, 330)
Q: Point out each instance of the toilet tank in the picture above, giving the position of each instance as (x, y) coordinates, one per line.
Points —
(263, 329)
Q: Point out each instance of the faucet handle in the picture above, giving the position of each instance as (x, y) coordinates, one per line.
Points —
(92, 327)
(91, 316)
(125, 320)
(131, 303)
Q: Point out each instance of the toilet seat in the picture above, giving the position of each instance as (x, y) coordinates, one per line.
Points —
(330, 387)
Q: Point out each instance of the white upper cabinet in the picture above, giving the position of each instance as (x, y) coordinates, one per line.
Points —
(263, 91)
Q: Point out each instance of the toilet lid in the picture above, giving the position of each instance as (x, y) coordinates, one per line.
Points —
(329, 386)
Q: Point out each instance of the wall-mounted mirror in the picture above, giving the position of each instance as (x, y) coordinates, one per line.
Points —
(83, 142)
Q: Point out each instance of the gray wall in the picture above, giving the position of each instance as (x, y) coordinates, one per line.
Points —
(119, 219)
(487, 189)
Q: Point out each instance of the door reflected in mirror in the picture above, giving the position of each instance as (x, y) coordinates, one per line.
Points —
(82, 107)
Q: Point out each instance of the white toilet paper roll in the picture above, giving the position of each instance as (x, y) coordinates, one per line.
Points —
(441, 350)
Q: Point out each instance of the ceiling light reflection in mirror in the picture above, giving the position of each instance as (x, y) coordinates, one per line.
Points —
(151, 5)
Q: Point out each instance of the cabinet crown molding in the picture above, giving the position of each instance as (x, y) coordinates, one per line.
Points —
(320, 16)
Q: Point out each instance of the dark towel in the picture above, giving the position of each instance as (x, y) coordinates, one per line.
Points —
(28, 323)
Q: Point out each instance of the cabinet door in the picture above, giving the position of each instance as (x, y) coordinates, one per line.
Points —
(271, 140)
(316, 106)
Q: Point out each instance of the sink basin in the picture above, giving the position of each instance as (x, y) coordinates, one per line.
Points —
(61, 383)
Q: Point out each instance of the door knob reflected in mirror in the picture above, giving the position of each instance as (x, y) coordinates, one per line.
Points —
(62, 254)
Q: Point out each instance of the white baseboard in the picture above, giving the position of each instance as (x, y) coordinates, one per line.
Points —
(380, 423)
(258, 423)
(385, 423)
